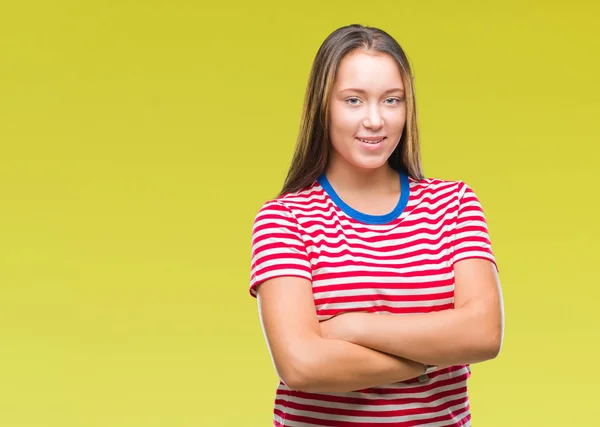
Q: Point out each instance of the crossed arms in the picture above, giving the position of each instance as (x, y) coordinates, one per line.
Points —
(353, 351)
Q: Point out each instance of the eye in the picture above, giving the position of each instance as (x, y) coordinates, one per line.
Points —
(396, 101)
(349, 101)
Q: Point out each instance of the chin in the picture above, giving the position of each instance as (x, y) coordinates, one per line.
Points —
(372, 164)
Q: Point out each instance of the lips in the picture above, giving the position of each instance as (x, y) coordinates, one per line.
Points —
(371, 140)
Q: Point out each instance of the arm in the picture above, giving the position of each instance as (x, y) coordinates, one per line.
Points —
(306, 361)
(470, 333)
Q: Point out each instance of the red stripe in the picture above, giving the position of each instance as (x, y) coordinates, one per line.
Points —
(359, 401)
(383, 297)
(377, 285)
(393, 310)
(411, 423)
(397, 260)
(365, 274)
(397, 263)
(278, 235)
(444, 227)
(282, 256)
(266, 270)
(391, 248)
(384, 414)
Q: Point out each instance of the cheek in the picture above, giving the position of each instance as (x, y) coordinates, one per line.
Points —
(343, 122)
(396, 119)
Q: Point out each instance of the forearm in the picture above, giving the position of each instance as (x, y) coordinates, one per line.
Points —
(329, 365)
(451, 337)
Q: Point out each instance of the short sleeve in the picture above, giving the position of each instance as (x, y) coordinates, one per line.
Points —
(277, 246)
(471, 239)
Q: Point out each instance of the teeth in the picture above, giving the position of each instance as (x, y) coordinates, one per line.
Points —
(371, 142)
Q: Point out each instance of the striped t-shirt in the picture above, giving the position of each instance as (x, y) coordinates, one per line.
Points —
(398, 263)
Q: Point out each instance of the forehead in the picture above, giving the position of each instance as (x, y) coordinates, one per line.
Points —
(362, 69)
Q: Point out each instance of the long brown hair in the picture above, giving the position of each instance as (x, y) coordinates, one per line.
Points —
(311, 155)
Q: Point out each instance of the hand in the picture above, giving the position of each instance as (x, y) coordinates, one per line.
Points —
(340, 327)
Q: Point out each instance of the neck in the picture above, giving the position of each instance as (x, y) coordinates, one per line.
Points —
(345, 177)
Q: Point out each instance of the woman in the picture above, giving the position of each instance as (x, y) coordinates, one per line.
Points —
(377, 287)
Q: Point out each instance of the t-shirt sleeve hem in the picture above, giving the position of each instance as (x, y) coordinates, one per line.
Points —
(253, 290)
(488, 257)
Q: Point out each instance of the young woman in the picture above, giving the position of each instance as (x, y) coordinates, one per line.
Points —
(377, 287)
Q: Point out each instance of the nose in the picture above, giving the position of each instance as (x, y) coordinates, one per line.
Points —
(373, 118)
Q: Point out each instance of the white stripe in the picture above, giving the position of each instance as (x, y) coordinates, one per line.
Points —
(281, 272)
(386, 420)
(387, 303)
(406, 233)
(380, 279)
(354, 256)
(346, 242)
(473, 254)
(387, 407)
(376, 269)
(399, 292)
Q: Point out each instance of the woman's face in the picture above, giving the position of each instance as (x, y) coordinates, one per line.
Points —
(367, 110)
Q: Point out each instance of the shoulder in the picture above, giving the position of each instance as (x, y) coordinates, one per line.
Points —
(289, 207)
(439, 187)
(443, 195)
(296, 203)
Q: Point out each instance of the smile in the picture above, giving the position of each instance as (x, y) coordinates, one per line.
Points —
(366, 141)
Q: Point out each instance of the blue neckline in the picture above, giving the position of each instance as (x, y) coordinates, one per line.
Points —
(363, 217)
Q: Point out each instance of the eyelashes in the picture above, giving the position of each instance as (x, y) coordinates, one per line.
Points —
(396, 101)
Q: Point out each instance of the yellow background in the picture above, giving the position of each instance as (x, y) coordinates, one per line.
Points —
(139, 138)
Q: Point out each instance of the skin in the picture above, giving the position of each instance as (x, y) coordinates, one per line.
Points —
(354, 351)
(360, 175)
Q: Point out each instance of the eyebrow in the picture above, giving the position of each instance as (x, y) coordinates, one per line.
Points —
(396, 89)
